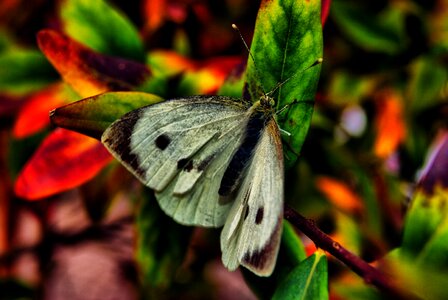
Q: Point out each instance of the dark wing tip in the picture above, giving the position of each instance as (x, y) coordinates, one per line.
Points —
(117, 139)
(262, 261)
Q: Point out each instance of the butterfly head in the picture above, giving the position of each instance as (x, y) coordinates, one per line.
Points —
(266, 104)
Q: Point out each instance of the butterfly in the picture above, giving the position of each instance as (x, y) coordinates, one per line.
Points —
(211, 161)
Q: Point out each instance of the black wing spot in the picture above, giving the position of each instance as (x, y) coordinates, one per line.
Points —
(162, 141)
(259, 216)
(185, 164)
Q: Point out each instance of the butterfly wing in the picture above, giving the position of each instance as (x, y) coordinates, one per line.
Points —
(252, 232)
(181, 148)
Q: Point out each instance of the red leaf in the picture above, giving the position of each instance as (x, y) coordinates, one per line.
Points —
(325, 10)
(64, 160)
(88, 72)
(33, 116)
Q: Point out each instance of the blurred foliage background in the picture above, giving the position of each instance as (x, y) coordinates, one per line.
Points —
(380, 116)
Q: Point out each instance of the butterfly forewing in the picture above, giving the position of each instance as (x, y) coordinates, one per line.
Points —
(181, 148)
(252, 232)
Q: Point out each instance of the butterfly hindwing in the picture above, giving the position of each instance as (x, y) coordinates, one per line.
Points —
(252, 232)
(181, 148)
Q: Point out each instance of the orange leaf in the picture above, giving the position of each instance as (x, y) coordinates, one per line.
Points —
(211, 74)
(64, 160)
(203, 77)
(170, 62)
(390, 125)
(339, 194)
(154, 14)
(33, 116)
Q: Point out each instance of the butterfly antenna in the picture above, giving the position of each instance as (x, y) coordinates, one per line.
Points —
(317, 62)
(250, 54)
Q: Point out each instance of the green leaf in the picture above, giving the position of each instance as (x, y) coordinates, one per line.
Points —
(425, 216)
(435, 252)
(102, 28)
(233, 85)
(348, 232)
(384, 32)
(292, 245)
(286, 43)
(309, 280)
(427, 82)
(6, 41)
(91, 116)
(24, 71)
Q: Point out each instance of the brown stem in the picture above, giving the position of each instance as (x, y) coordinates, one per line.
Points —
(370, 274)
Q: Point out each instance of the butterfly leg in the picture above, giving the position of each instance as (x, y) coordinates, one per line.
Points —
(285, 133)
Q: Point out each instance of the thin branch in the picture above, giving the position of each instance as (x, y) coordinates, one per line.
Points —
(370, 274)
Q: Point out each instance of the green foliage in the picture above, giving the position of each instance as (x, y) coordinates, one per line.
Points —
(383, 32)
(161, 247)
(24, 71)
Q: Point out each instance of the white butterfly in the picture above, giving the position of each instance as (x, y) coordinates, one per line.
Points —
(211, 161)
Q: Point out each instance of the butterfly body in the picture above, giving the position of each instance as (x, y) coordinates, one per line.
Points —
(212, 161)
